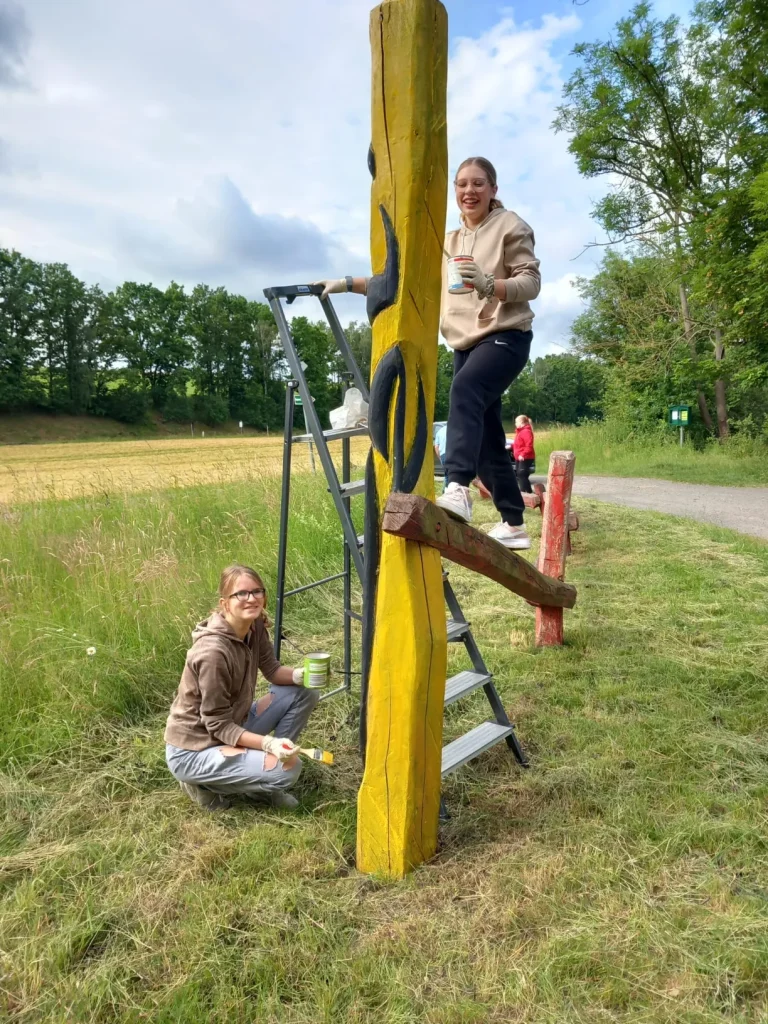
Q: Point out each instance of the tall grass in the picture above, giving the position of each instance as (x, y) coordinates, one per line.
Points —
(126, 577)
(622, 878)
(612, 450)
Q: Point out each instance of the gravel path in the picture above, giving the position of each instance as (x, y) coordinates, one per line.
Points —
(739, 508)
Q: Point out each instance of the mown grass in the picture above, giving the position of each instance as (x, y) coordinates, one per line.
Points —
(58, 471)
(47, 428)
(622, 878)
(740, 462)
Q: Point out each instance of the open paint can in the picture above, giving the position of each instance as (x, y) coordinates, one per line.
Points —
(317, 670)
(456, 283)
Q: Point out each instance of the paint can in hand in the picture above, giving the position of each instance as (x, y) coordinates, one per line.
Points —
(456, 283)
(317, 670)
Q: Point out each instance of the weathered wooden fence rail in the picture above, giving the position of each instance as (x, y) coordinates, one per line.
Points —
(414, 518)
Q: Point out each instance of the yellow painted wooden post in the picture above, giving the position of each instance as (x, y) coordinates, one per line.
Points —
(405, 659)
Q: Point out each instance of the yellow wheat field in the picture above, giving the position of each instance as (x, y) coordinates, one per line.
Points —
(35, 472)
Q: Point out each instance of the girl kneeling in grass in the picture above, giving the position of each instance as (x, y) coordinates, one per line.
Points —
(216, 735)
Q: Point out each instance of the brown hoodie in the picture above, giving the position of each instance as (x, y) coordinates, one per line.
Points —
(218, 683)
(503, 246)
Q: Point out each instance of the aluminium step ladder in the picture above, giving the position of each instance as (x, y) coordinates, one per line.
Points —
(483, 736)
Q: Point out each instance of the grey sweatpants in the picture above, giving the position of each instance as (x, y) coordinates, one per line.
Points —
(286, 716)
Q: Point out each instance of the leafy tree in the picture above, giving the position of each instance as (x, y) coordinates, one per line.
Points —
(178, 409)
(523, 397)
(444, 380)
(128, 402)
(20, 291)
(317, 348)
(211, 409)
(360, 339)
(63, 338)
(149, 333)
(263, 406)
(557, 388)
(641, 108)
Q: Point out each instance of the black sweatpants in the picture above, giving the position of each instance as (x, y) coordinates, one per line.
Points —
(523, 470)
(476, 442)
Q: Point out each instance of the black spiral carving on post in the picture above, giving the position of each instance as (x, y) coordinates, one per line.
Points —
(390, 374)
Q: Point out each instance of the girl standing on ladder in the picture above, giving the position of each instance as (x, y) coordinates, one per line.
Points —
(486, 319)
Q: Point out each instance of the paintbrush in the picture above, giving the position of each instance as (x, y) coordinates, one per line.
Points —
(317, 754)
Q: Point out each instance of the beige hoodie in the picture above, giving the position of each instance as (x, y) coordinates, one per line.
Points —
(503, 246)
(218, 683)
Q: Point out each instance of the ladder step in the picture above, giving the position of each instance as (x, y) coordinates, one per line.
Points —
(333, 435)
(463, 683)
(456, 630)
(352, 488)
(481, 738)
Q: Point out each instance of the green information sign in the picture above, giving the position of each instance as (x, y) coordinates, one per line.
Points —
(297, 400)
(679, 415)
(680, 418)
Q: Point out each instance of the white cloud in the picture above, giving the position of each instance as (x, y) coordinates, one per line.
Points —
(561, 295)
(226, 142)
(557, 305)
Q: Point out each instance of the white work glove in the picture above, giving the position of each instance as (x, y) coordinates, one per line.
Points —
(332, 287)
(279, 747)
(298, 677)
(481, 282)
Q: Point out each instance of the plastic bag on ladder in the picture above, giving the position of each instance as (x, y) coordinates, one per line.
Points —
(354, 412)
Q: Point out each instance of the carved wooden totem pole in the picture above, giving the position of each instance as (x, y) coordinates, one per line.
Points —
(404, 632)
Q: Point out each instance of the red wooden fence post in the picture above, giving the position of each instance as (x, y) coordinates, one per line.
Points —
(554, 541)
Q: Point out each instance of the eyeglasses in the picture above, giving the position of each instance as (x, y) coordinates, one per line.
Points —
(473, 182)
(243, 595)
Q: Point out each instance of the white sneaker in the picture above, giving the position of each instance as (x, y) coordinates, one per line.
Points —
(514, 537)
(285, 801)
(457, 501)
(209, 801)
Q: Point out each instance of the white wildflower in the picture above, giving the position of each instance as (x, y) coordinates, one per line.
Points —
(90, 651)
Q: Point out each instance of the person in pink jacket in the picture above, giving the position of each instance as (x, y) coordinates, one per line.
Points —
(523, 451)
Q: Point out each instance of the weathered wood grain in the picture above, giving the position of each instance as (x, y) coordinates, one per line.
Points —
(414, 518)
(554, 542)
(398, 802)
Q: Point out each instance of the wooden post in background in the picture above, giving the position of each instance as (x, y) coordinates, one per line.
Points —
(554, 541)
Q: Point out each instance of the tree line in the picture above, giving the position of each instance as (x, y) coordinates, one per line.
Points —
(201, 355)
(204, 355)
(677, 117)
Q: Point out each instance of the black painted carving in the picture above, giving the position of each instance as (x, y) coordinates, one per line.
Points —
(412, 470)
(389, 369)
(372, 537)
(371, 161)
(398, 456)
(389, 372)
(382, 288)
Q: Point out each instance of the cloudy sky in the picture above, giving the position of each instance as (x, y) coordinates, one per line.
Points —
(225, 142)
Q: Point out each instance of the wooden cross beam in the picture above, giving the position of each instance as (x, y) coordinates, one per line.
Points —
(414, 518)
